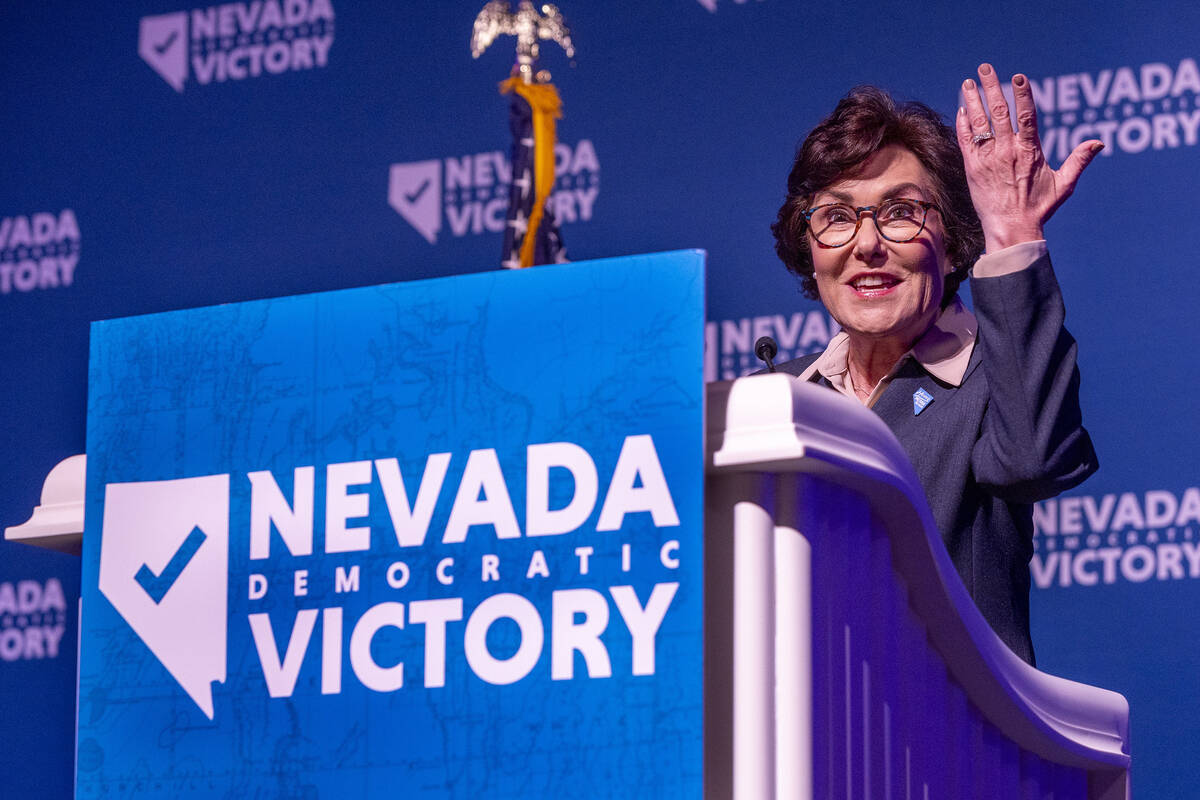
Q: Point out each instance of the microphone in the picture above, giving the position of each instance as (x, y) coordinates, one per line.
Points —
(766, 348)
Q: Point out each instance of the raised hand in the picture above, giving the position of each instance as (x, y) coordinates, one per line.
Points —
(1012, 187)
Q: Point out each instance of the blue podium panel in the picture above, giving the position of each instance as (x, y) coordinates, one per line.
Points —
(433, 539)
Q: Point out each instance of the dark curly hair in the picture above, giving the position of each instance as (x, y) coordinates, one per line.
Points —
(865, 121)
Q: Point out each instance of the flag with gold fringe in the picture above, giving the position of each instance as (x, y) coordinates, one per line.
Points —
(531, 234)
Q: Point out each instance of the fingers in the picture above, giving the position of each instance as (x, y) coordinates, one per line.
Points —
(962, 127)
(1075, 164)
(1025, 110)
(996, 104)
(976, 117)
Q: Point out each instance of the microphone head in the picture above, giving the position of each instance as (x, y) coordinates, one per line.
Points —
(765, 348)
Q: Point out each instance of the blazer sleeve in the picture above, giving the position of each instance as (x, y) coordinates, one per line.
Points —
(1032, 443)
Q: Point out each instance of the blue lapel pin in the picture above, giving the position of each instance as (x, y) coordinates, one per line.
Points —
(921, 399)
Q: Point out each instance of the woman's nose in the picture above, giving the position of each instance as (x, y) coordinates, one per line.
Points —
(868, 244)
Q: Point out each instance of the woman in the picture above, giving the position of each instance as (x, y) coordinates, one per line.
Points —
(885, 215)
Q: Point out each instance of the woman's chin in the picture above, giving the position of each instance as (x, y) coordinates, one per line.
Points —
(876, 331)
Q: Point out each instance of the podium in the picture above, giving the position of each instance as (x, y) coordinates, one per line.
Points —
(490, 535)
(844, 657)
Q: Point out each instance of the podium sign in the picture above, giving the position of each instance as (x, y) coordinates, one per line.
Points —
(433, 539)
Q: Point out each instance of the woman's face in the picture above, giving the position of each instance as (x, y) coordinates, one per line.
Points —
(877, 289)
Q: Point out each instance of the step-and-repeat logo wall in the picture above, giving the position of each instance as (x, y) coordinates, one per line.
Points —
(1131, 537)
(729, 343)
(38, 251)
(33, 619)
(469, 194)
(1154, 106)
(236, 41)
(449, 195)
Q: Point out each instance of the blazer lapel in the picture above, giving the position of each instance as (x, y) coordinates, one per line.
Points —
(914, 397)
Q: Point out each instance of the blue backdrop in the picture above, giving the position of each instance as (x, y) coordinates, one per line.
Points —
(164, 155)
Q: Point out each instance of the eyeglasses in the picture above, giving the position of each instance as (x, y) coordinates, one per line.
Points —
(897, 220)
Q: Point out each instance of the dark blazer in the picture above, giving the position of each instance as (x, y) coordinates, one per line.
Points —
(1010, 435)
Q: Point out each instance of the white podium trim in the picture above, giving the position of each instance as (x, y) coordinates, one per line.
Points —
(777, 424)
(57, 522)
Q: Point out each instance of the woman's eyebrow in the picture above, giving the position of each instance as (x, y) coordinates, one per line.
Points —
(897, 190)
(841, 197)
(901, 189)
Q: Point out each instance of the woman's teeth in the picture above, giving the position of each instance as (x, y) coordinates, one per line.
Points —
(873, 282)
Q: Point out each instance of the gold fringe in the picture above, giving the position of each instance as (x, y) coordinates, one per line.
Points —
(543, 99)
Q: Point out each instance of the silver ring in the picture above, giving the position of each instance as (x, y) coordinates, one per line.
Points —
(980, 138)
